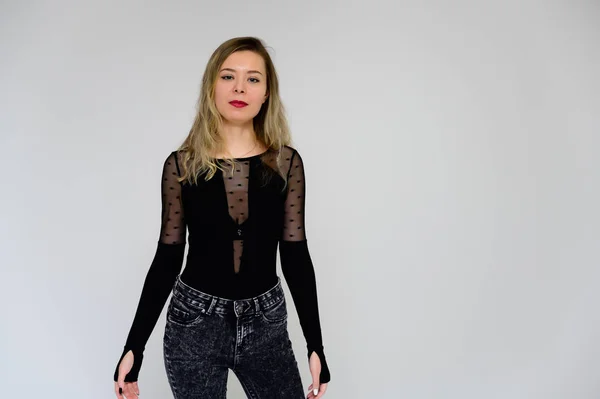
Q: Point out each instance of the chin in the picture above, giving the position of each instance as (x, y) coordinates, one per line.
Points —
(240, 117)
(237, 120)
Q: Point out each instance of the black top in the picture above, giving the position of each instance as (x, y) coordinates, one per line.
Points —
(235, 222)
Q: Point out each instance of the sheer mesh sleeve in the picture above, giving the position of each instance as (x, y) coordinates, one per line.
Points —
(163, 271)
(293, 226)
(296, 263)
(173, 224)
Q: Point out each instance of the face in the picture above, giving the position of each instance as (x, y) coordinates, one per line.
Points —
(242, 78)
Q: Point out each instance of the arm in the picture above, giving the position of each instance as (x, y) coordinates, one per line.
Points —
(163, 271)
(296, 263)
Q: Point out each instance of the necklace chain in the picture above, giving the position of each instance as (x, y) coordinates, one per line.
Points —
(255, 143)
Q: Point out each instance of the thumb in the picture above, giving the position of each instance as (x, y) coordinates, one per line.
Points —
(315, 371)
(124, 368)
(121, 380)
(315, 386)
(315, 379)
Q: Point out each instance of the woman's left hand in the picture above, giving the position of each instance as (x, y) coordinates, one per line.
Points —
(315, 371)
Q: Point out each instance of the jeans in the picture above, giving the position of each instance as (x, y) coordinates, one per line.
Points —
(206, 335)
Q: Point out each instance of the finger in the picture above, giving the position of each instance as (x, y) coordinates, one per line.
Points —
(311, 390)
(119, 396)
(315, 392)
(322, 390)
(315, 380)
(129, 392)
(121, 380)
(315, 385)
(136, 388)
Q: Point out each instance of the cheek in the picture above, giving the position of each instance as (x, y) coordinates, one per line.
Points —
(258, 104)
(258, 96)
(219, 93)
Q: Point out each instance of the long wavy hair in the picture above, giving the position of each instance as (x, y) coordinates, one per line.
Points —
(270, 124)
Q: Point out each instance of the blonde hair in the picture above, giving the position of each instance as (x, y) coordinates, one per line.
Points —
(270, 124)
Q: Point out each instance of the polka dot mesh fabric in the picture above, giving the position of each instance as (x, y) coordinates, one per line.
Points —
(173, 224)
(296, 263)
(293, 227)
(236, 185)
(291, 166)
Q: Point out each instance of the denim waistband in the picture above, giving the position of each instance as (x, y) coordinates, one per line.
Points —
(211, 303)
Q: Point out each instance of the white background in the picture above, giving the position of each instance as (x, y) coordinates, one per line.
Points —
(451, 153)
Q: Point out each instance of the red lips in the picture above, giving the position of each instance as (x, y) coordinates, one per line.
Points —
(238, 104)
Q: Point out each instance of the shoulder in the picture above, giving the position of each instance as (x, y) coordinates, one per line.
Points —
(292, 161)
(171, 157)
(290, 153)
(294, 157)
(172, 161)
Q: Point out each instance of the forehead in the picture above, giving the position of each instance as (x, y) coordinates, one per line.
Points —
(244, 60)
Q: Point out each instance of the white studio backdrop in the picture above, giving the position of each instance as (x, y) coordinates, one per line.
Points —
(452, 187)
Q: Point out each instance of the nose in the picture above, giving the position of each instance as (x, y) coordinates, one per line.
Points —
(239, 88)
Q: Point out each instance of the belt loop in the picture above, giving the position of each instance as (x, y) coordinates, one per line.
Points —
(256, 305)
(213, 301)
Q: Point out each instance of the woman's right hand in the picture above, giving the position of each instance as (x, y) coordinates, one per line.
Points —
(130, 390)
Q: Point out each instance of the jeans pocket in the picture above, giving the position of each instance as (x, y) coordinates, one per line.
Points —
(183, 313)
(277, 313)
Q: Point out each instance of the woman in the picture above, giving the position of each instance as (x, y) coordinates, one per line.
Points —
(237, 187)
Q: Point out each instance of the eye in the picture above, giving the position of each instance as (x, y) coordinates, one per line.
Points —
(226, 77)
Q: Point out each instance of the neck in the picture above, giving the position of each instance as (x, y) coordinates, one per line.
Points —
(238, 139)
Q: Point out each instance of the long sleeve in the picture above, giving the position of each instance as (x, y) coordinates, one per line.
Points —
(164, 268)
(296, 263)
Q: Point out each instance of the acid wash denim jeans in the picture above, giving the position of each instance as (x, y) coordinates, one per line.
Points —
(206, 335)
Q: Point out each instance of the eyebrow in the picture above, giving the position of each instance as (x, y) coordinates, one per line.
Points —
(233, 70)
